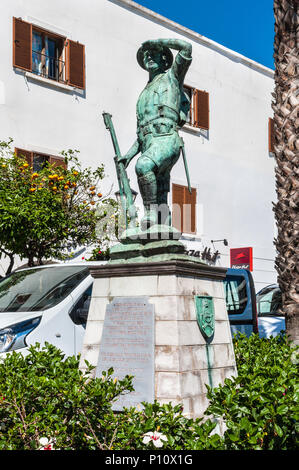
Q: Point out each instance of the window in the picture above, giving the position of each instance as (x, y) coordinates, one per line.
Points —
(235, 294)
(198, 115)
(79, 312)
(38, 160)
(271, 135)
(184, 208)
(47, 54)
(269, 301)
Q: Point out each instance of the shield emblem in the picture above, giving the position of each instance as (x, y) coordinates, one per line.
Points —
(205, 315)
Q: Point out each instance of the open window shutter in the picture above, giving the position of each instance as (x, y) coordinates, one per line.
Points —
(57, 161)
(177, 206)
(201, 109)
(22, 44)
(21, 153)
(75, 56)
(271, 135)
(189, 217)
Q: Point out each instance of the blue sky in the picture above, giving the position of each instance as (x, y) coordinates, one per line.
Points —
(246, 27)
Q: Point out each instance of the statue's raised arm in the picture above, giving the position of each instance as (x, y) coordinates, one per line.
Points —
(182, 60)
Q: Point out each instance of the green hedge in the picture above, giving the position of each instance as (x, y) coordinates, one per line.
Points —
(45, 397)
(47, 402)
(260, 405)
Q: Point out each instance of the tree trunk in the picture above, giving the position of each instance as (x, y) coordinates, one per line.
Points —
(286, 122)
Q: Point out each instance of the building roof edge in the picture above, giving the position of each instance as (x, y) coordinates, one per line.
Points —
(137, 8)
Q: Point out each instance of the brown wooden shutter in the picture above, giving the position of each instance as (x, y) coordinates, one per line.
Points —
(57, 161)
(201, 109)
(189, 216)
(184, 208)
(75, 64)
(177, 207)
(271, 135)
(22, 44)
(21, 153)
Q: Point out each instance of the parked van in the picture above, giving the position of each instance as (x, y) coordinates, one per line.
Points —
(45, 303)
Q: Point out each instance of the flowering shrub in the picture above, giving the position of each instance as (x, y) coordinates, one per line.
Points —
(260, 405)
(47, 403)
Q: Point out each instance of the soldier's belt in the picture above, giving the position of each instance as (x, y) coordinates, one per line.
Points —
(157, 129)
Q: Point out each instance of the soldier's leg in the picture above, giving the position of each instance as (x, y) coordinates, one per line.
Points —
(147, 182)
(162, 198)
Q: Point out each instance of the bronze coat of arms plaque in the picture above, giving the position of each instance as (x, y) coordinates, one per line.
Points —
(205, 315)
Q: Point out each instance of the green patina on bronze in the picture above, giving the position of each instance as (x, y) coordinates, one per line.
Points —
(161, 109)
(205, 315)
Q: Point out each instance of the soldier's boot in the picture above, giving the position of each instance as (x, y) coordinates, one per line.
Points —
(148, 190)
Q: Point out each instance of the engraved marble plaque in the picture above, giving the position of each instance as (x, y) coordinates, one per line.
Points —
(128, 346)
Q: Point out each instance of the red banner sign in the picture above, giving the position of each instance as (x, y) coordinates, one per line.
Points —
(241, 258)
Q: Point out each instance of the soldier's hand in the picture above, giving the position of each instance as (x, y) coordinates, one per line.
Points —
(152, 44)
(124, 160)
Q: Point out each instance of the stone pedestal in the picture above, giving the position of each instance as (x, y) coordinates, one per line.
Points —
(184, 361)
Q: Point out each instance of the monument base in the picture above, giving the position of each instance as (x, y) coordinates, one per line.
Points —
(178, 358)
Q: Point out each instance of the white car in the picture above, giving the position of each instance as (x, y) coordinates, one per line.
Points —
(270, 320)
(45, 303)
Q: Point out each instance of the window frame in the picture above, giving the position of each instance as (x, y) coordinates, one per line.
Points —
(30, 154)
(71, 56)
(196, 120)
(62, 55)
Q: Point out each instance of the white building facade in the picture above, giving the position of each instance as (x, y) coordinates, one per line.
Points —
(94, 44)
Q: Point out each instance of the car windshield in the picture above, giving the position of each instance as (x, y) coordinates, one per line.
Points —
(40, 288)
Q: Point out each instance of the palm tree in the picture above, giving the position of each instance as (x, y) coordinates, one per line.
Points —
(286, 147)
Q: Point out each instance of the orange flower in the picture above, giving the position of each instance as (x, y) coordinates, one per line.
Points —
(66, 186)
(34, 175)
(92, 203)
(32, 190)
(100, 194)
(75, 173)
(92, 188)
(25, 165)
(54, 188)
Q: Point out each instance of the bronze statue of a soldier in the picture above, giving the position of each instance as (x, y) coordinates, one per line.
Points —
(162, 109)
